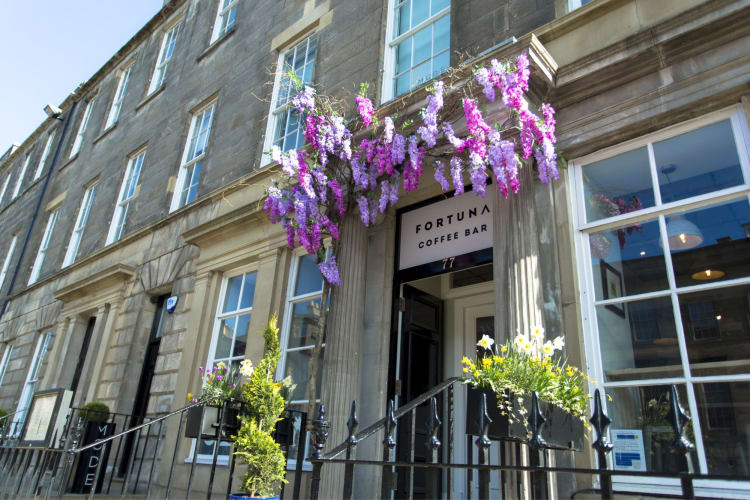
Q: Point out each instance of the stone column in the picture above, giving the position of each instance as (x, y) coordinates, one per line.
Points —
(343, 351)
(517, 276)
(100, 345)
(57, 356)
(87, 373)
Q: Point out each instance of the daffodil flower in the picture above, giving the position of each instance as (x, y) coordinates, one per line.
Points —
(485, 342)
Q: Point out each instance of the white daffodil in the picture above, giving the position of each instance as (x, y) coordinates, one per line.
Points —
(548, 348)
(485, 342)
(520, 340)
(558, 343)
(537, 332)
(526, 348)
(246, 368)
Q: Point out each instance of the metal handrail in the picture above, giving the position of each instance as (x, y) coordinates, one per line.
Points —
(402, 410)
(156, 420)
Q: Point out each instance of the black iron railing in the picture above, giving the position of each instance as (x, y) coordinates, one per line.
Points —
(49, 471)
(433, 467)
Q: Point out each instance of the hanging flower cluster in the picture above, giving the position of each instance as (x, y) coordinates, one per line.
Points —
(310, 203)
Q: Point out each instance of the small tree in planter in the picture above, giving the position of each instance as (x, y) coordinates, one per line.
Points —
(264, 403)
(94, 412)
(510, 373)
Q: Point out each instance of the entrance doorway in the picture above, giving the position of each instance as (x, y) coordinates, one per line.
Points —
(140, 404)
(440, 320)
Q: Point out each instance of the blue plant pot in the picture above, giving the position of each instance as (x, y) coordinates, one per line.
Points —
(242, 496)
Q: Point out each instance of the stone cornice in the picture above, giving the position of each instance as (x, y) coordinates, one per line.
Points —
(110, 278)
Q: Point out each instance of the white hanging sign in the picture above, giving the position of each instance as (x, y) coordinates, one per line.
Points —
(445, 229)
(628, 449)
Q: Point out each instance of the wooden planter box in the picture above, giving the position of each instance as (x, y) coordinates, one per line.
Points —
(561, 430)
(210, 415)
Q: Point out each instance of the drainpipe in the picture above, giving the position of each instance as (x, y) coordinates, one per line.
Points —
(38, 204)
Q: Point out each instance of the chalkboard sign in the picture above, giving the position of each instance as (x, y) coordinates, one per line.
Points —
(46, 417)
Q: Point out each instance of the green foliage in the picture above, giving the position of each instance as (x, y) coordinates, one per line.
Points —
(94, 412)
(254, 443)
(3, 414)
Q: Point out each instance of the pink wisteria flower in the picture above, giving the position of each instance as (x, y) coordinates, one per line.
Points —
(365, 110)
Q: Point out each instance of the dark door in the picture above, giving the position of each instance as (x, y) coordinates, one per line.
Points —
(82, 355)
(147, 375)
(421, 369)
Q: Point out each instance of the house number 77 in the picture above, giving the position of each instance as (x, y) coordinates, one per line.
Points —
(448, 260)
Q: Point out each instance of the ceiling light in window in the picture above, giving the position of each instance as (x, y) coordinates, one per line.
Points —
(708, 274)
(683, 234)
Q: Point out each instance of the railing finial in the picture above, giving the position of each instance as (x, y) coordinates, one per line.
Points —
(320, 431)
(433, 425)
(352, 425)
(483, 441)
(536, 421)
(600, 421)
(390, 425)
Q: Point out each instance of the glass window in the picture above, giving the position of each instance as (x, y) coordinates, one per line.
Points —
(7, 352)
(31, 380)
(287, 130)
(43, 246)
(162, 61)
(83, 216)
(45, 154)
(127, 193)
(668, 287)
(21, 175)
(6, 262)
(78, 141)
(224, 18)
(189, 174)
(122, 88)
(5, 186)
(420, 42)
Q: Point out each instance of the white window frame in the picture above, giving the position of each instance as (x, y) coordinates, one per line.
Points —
(389, 59)
(78, 141)
(188, 175)
(286, 324)
(21, 175)
(585, 271)
(6, 262)
(225, 10)
(120, 91)
(276, 110)
(126, 195)
(5, 362)
(45, 154)
(166, 51)
(5, 186)
(577, 4)
(43, 246)
(204, 458)
(32, 378)
(77, 235)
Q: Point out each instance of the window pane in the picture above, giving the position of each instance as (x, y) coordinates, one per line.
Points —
(423, 44)
(618, 185)
(248, 290)
(232, 294)
(717, 330)
(441, 63)
(224, 340)
(402, 83)
(308, 276)
(697, 162)
(628, 260)
(420, 11)
(638, 340)
(403, 55)
(710, 244)
(240, 342)
(402, 19)
(297, 363)
(724, 426)
(304, 323)
(644, 410)
(420, 74)
(438, 5)
(442, 34)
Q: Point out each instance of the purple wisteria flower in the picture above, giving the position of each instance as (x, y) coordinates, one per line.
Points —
(330, 270)
(457, 175)
(364, 108)
(305, 100)
(440, 176)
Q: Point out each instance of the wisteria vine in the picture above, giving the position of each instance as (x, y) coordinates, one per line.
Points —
(321, 183)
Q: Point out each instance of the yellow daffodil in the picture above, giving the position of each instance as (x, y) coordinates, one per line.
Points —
(246, 368)
(190, 395)
(593, 382)
(466, 370)
(472, 367)
(498, 359)
(465, 361)
(609, 398)
(486, 362)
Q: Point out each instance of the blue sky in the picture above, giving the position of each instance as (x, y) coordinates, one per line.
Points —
(48, 47)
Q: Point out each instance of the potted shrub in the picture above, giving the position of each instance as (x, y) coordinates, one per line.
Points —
(510, 373)
(254, 444)
(223, 394)
(94, 412)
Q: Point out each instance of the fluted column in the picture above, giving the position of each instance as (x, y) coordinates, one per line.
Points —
(343, 351)
(517, 275)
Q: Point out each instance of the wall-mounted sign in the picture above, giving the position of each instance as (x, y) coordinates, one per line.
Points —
(46, 417)
(629, 450)
(447, 228)
(172, 303)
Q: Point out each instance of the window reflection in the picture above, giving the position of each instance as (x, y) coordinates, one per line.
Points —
(725, 425)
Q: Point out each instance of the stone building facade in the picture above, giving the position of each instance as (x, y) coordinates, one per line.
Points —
(150, 183)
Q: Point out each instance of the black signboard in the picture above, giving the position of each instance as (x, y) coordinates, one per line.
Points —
(91, 458)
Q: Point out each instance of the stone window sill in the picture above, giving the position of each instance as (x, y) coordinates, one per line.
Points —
(217, 42)
(151, 96)
(105, 133)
